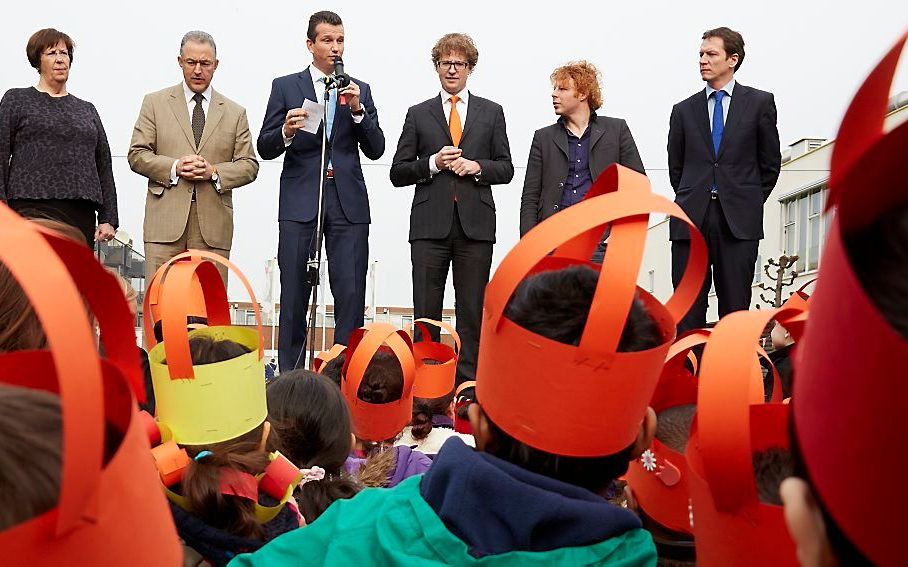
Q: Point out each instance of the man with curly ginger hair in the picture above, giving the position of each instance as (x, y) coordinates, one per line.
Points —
(454, 148)
(567, 156)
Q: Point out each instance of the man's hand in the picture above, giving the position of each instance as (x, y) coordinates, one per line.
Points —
(462, 166)
(105, 232)
(446, 156)
(351, 92)
(194, 168)
(293, 122)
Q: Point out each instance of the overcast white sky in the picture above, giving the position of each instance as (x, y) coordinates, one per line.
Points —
(811, 55)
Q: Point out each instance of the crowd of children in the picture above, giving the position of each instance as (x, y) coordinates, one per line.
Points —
(592, 435)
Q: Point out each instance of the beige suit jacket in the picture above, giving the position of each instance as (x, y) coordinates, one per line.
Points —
(163, 133)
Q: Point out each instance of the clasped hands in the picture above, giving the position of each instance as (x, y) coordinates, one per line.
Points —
(450, 158)
(194, 168)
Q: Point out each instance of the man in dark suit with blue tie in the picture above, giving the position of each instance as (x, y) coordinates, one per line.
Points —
(723, 162)
(352, 125)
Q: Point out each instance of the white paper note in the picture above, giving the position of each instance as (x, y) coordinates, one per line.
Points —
(316, 113)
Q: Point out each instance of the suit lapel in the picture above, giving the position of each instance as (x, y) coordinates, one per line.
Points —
(560, 139)
(701, 117)
(215, 113)
(596, 132)
(181, 113)
(737, 107)
(474, 107)
(437, 112)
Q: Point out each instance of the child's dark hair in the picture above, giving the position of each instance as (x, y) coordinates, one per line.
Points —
(383, 380)
(312, 423)
(332, 369)
(673, 426)
(771, 467)
(423, 411)
(555, 305)
(30, 455)
(201, 485)
(879, 254)
(158, 330)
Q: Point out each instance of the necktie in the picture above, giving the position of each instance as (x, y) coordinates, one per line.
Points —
(718, 120)
(198, 119)
(330, 107)
(454, 124)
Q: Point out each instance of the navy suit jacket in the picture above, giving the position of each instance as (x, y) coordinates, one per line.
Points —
(745, 171)
(300, 175)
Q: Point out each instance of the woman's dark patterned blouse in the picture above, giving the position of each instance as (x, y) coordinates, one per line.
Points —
(55, 148)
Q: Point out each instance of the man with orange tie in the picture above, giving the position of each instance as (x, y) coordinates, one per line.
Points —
(453, 147)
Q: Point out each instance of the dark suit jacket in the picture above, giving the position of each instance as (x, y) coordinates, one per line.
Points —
(485, 140)
(547, 168)
(300, 176)
(745, 171)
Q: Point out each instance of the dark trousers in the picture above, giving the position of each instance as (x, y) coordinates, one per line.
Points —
(78, 213)
(471, 261)
(347, 248)
(731, 264)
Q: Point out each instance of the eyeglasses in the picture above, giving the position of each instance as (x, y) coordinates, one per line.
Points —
(191, 63)
(458, 65)
(55, 53)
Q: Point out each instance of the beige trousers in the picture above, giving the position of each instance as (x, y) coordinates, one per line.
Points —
(157, 253)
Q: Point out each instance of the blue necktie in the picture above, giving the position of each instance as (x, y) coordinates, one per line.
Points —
(331, 107)
(718, 120)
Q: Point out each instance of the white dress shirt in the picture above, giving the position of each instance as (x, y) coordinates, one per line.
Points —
(318, 83)
(463, 103)
(190, 106)
(726, 101)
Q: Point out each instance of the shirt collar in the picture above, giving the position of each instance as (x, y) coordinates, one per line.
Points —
(463, 96)
(187, 92)
(318, 78)
(728, 88)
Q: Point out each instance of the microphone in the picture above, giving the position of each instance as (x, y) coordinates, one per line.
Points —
(341, 79)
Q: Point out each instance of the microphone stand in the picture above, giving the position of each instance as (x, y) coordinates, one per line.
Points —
(314, 265)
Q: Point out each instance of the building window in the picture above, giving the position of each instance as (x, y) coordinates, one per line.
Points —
(406, 321)
(250, 317)
(804, 229)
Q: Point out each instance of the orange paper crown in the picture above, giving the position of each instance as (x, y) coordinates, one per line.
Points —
(434, 380)
(659, 478)
(378, 422)
(324, 357)
(105, 511)
(730, 524)
(195, 303)
(586, 400)
(849, 393)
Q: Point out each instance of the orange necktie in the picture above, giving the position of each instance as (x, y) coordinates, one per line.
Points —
(454, 123)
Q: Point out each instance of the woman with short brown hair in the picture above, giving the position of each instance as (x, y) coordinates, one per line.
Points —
(54, 157)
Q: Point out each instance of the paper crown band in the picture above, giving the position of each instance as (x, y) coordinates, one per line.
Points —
(208, 403)
(849, 391)
(378, 422)
(731, 525)
(99, 503)
(550, 395)
(434, 380)
(324, 357)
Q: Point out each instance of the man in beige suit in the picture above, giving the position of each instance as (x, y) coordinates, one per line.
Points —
(193, 145)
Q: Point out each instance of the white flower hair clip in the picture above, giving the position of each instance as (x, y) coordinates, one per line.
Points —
(314, 473)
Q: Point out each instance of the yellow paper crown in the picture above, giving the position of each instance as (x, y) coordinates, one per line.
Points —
(207, 403)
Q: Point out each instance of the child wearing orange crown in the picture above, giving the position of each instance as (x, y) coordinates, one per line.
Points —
(849, 402)
(377, 379)
(562, 388)
(212, 443)
(74, 479)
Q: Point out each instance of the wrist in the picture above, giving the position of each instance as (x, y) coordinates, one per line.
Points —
(358, 112)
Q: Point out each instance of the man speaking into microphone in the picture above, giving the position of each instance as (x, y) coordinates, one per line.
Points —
(454, 148)
(351, 124)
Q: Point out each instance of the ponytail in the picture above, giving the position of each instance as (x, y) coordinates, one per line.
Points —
(421, 424)
(201, 484)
